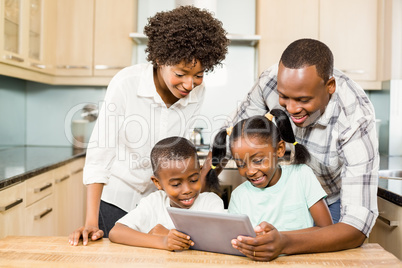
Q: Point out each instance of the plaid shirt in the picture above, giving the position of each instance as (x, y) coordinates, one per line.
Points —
(342, 142)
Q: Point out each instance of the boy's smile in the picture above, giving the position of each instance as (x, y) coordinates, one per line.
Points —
(180, 179)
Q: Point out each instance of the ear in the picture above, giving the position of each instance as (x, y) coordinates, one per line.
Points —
(155, 180)
(281, 149)
(331, 85)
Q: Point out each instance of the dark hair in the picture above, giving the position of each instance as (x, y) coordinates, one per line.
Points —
(186, 33)
(261, 127)
(309, 52)
(177, 148)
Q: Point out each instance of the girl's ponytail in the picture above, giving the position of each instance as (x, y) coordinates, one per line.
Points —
(218, 154)
(302, 156)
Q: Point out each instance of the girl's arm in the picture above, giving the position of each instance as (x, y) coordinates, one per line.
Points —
(320, 213)
(174, 240)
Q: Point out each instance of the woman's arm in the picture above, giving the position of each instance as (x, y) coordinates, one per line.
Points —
(174, 240)
(91, 228)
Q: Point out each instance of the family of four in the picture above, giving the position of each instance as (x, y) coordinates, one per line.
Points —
(324, 200)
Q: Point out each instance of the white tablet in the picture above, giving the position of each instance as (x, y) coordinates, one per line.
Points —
(211, 231)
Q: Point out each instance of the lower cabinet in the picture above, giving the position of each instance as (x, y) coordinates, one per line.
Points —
(51, 203)
(387, 231)
(12, 210)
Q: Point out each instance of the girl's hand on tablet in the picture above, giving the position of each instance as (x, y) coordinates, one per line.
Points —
(176, 240)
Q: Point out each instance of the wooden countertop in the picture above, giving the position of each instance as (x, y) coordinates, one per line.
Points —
(19, 251)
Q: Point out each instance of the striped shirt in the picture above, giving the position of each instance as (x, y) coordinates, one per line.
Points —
(342, 142)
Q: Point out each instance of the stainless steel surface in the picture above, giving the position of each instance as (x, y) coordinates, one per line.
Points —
(390, 174)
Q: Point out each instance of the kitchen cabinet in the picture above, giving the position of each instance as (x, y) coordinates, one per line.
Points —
(388, 228)
(349, 28)
(69, 197)
(40, 207)
(50, 203)
(24, 33)
(93, 41)
(12, 210)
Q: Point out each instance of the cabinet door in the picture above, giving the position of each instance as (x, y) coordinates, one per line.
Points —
(12, 208)
(64, 194)
(75, 20)
(349, 28)
(281, 22)
(388, 229)
(79, 191)
(39, 217)
(12, 24)
(112, 44)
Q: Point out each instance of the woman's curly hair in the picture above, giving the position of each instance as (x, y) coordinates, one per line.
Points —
(186, 33)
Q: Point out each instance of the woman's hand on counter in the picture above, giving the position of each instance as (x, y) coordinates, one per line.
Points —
(85, 232)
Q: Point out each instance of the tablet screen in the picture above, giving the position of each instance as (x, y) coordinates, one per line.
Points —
(212, 231)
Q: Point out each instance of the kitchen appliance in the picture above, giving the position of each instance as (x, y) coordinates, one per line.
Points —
(196, 137)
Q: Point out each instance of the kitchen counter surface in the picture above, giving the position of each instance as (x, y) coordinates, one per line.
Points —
(56, 252)
(23, 162)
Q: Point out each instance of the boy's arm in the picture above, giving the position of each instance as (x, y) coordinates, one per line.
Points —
(174, 240)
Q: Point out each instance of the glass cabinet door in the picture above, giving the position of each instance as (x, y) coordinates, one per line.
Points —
(35, 26)
(12, 26)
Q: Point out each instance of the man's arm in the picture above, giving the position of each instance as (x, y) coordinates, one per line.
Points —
(269, 242)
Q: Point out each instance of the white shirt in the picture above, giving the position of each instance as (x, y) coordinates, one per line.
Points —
(132, 119)
(152, 210)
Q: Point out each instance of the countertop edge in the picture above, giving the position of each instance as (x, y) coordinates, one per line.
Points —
(32, 173)
(389, 196)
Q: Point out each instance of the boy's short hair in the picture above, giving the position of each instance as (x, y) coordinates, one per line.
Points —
(309, 52)
(173, 148)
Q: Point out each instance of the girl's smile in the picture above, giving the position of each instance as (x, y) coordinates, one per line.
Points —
(257, 160)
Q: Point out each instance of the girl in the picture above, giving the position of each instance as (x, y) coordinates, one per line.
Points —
(289, 197)
(145, 103)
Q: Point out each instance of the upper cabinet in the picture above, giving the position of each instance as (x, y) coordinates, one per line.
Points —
(22, 25)
(66, 42)
(351, 29)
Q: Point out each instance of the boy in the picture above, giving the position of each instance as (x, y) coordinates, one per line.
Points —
(177, 176)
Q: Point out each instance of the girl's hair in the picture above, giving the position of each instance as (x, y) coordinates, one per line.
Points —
(261, 127)
(188, 34)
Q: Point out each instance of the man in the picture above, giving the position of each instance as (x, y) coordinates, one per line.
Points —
(335, 120)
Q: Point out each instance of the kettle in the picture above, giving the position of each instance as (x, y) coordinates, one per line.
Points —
(196, 137)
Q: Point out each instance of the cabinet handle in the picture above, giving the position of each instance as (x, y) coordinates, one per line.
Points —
(14, 58)
(39, 66)
(43, 214)
(357, 71)
(108, 67)
(13, 204)
(388, 222)
(37, 190)
(77, 171)
(62, 179)
(72, 67)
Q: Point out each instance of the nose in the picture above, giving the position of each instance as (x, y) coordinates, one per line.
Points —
(188, 83)
(250, 172)
(187, 188)
(292, 106)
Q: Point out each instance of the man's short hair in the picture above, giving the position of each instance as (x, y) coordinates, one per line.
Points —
(173, 148)
(308, 52)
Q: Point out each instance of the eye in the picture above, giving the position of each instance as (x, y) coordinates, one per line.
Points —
(194, 180)
(200, 76)
(258, 161)
(179, 75)
(175, 185)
